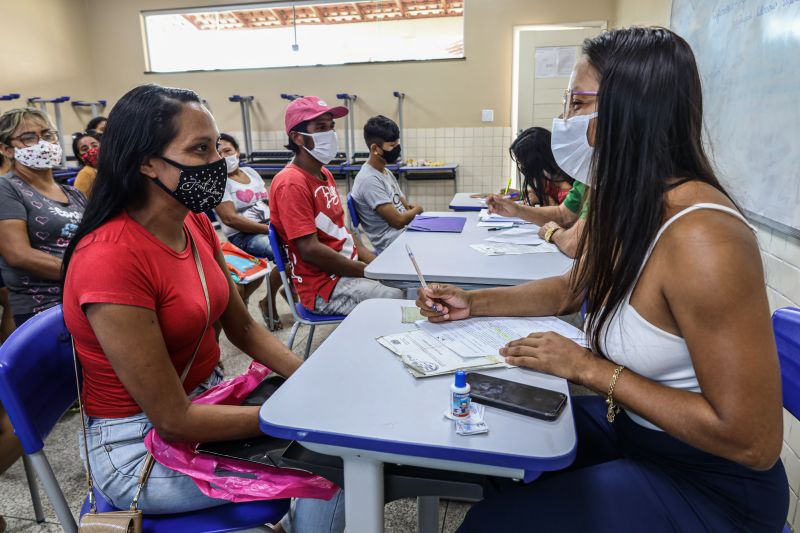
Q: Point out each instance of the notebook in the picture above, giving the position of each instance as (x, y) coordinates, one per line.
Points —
(437, 224)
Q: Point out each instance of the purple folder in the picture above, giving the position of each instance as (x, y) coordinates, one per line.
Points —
(437, 224)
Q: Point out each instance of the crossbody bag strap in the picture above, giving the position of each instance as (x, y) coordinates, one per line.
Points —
(147, 468)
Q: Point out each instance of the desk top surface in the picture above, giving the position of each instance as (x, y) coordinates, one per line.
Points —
(448, 258)
(354, 393)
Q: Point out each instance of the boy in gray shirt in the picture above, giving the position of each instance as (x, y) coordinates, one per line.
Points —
(380, 204)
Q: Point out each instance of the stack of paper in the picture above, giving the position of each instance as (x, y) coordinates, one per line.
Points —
(525, 235)
(473, 344)
(498, 221)
(501, 248)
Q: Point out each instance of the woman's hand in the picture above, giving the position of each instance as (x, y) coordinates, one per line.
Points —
(550, 353)
(441, 303)
(502, 206)
(544, 229)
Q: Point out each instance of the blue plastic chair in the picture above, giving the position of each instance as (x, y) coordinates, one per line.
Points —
(355, 220)
(786, 326)
(37, 385)
(302, 316)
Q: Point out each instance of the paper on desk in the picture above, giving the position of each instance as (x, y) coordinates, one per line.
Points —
(426, 356)
(495, 224)
(529, 235)
(484, 216)
(504, 248)
(483, 337)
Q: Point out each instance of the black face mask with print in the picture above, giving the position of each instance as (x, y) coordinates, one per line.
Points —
(200, 187)
(392, 155)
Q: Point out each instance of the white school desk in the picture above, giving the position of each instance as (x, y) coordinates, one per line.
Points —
(354, 399)
(448, 258)
(463, 201)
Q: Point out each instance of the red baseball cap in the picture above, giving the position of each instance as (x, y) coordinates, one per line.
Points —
(309, 108)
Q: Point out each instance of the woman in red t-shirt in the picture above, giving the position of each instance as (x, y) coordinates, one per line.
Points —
(135, 305)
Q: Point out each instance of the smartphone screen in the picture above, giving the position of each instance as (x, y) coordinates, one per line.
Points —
(518, 397)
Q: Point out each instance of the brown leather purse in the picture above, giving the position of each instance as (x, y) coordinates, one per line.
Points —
(129, 521)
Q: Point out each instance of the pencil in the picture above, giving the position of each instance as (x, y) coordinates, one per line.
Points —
(508, 185)
(419, 273)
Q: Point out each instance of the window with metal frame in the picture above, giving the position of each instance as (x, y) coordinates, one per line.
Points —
(302, 33)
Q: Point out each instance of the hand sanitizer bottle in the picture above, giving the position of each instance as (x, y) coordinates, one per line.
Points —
(459, 396)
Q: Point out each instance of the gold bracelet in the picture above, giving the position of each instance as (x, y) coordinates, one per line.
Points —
(613, 409)
(548, 235)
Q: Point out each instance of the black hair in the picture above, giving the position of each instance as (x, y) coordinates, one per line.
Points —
(229, 138)
(141, 125)
(380, 129)
(77, 137)
(648, 140)
(290, 144)
(96, 121)
(534, 157)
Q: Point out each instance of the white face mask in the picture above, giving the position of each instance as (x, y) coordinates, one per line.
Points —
(326, 145)
(571, 148)
(42, 155)
(232, 162)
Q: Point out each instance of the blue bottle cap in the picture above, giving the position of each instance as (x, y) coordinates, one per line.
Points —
(461, 379)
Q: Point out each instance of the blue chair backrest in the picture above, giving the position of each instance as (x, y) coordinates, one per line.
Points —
(37, 377)
(786, 325)
(351, 207)
(277, 249)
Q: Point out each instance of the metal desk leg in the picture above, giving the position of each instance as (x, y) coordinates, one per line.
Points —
(363, 502)
(427, 514)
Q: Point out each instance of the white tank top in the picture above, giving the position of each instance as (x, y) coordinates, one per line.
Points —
(645, 349)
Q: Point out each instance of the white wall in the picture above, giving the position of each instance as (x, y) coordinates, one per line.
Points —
(781, 255)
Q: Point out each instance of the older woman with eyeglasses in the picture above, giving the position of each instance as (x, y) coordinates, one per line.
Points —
(38, 216)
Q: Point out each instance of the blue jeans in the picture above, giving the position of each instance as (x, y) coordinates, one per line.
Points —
(117, 453)
(256, 244)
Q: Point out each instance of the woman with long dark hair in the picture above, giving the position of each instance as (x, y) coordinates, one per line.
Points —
(135, 302)
(551, 198)
(543, 182)
(678, 320)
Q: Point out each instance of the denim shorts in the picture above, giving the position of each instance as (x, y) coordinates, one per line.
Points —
(256, 244)
(117, 453)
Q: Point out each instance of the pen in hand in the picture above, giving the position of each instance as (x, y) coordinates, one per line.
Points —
(419, 274)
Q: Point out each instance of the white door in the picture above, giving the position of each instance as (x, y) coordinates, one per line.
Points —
(543, 60)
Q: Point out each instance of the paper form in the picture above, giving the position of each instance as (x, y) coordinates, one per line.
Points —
(528, 235)
(503, 248)
(427, 356)
(483, 337)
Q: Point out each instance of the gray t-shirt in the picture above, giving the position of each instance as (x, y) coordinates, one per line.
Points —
(371, 189)
(51, 225)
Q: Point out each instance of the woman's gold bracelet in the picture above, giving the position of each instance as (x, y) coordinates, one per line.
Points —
(613, 408)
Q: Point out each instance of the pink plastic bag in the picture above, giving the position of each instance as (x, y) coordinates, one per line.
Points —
(262, 483)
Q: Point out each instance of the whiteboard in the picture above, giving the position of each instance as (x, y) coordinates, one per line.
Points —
(748, 53)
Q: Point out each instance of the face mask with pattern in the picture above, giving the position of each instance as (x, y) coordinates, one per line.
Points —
(200, 187)
(90, 157)
(41, 156)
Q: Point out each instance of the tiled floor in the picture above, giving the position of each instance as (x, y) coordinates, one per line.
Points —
(62, 452)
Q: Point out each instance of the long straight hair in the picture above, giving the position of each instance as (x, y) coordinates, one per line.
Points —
(534, 157)
(142, 124)
(649, 132)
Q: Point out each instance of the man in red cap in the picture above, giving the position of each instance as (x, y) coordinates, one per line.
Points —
(327, 267)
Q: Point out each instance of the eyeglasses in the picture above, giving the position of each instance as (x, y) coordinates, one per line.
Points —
(568, 94)
(31, 139)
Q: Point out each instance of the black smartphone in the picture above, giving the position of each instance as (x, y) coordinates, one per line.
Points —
(516, 397)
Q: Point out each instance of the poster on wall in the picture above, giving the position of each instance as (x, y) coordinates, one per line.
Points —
(555, 61)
